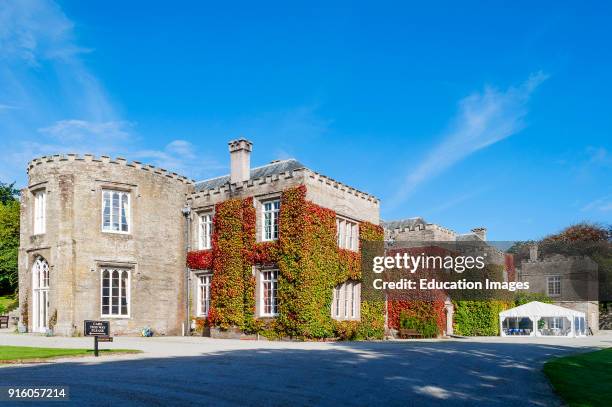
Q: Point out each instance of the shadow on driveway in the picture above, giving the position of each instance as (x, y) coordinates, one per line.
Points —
(356, 374)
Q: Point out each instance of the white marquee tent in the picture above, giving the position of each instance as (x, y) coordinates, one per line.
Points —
(548, 320)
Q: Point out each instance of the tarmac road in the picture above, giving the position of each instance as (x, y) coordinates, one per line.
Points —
(182, 371)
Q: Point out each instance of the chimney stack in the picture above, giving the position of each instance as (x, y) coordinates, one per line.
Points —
(240, 160)
(481, 233)
(533, 252)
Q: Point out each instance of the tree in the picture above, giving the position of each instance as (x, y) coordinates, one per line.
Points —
(8, 193)
(582, 232)
(586, 239)
(9, 245)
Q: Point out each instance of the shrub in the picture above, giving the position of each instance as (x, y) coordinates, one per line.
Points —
(346, 330)
(524, 298)
(372, 325)
(478, 318)
(426, 326)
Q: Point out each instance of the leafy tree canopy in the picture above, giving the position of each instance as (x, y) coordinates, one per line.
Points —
(582, 232)
(8, 192)
(9, 245)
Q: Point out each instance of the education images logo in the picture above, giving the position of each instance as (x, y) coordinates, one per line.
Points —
(424, 264)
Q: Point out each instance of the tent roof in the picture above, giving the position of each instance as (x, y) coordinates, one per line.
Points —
(540, 309)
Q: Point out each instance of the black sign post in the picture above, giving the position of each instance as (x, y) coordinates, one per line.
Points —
(100, 330)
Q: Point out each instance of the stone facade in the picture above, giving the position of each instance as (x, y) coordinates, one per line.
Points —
(419, 230)
(268, 183)
(77, 249)
(578, 282)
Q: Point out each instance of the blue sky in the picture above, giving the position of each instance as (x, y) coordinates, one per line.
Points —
(467, 115)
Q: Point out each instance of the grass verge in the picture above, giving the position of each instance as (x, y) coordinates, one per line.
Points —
(582, 380)
(13, 354)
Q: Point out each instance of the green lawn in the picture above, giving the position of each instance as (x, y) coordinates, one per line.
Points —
(17, 353)
(583, 380)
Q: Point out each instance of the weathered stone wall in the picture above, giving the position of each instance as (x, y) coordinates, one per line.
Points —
(323, 191)
(579, 283)
(76, 248)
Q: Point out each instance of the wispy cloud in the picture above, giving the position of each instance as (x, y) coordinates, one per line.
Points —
(455, 201)
(603, 204)
(483, 119)
(68, 131)
(68, 111)
(180, 156)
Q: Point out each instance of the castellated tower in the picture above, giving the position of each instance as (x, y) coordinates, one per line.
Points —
(102, 239)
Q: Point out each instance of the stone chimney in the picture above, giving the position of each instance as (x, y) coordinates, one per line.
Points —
(533, 252)
(481, 233)
(240, 160)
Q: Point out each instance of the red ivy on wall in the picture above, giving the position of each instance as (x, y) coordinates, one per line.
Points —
(309, 261)
(420, 309)
(200, 260)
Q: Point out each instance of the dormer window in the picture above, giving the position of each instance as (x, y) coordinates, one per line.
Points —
(115, 211)
(271, 211)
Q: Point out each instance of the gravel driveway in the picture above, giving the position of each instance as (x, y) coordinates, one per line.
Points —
(180, 371)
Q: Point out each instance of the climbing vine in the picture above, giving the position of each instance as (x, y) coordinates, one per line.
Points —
(309, 262)
(227, 286)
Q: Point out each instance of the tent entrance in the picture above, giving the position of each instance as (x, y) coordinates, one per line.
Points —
(522, 326)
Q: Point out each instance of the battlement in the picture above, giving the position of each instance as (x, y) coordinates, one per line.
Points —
(251, 184)
(254, 183)
(420, 226)
(332, 183)
(66, 158)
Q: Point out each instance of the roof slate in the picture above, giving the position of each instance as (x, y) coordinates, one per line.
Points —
(273, 168)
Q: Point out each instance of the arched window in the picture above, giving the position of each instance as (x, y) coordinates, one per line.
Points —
(40, 294)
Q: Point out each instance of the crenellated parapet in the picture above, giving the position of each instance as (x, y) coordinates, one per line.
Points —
(254, 184)
(119, 161)
(339, 186)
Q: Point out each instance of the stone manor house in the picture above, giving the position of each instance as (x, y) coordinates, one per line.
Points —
(108, 239)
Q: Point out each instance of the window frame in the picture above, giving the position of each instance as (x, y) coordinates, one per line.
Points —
(199, 285)
(555, 281)
(40, 212)
(128, 294)
(346, 301)
(347, 233)
(121, 192)
(201, 245)
(275, 220)
(274, 299)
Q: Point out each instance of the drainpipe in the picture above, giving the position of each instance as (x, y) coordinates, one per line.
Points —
(187, 215)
